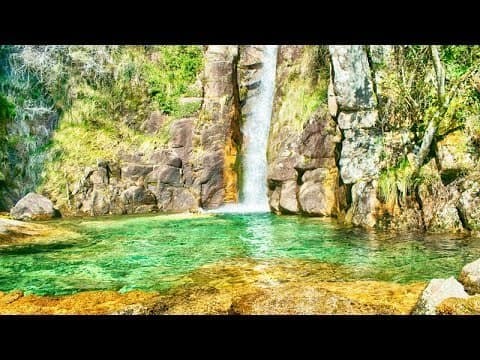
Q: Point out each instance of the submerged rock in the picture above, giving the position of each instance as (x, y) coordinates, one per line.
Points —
(437, 291)
(470, 277)
(34, 207)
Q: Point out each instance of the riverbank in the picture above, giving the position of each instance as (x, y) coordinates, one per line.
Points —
(243, 288)
(19, 232)
(222, 264)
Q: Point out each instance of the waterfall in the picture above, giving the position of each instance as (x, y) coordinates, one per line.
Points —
(253, 195)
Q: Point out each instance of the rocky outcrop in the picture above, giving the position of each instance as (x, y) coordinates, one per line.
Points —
(306, 156)
(454, 154)
(470, 277)
(312, 164)
(365, 204)
(219, 128)
(142, 182)
(437, 291)
(288, 197)
(469, 201)
(21, 152)
(352, 78)
(196, 167)
(438, 202)
(358, 120)
(34, 207)
(318, 193)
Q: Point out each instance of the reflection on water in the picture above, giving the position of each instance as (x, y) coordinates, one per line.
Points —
(157, 252)
(258, 235)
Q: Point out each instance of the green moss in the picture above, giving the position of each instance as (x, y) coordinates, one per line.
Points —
(171, 74)
(302, 92)
(395, 183)
(104, 94)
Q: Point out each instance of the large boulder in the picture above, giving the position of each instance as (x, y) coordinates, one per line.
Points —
(34, 207)
(274, 200)
(211, 180)
(317, 194)
(365, 204)
(360, 157)
(165, 174)
(283, 168)
(352, 77)
(454, 153)
(438, 202)
(469, 201)
(437, 291)
(288, 197)
(137, 199)
(470, 277)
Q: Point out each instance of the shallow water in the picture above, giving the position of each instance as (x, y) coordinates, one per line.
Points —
(156, 252)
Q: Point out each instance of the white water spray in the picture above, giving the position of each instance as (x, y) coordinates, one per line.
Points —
(253, 195)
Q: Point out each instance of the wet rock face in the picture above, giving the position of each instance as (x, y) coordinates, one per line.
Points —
(219, 128)
(34, 207)
(437, 291)
(250, 64)
(470, 277)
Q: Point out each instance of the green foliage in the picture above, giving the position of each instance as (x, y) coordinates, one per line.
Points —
(102, 93)
(303, 91)
(7, 109)
(396, 183)
(169, 76)
(409, 89)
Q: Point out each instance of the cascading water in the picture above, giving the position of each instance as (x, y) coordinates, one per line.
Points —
(253, 195)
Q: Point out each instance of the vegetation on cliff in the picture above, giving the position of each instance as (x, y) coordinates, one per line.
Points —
(101, 94)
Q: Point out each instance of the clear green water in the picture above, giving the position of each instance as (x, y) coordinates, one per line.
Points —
(153, 253)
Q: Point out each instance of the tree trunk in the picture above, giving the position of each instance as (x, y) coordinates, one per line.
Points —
(433, 123)
(440, 73)
(426, 143)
